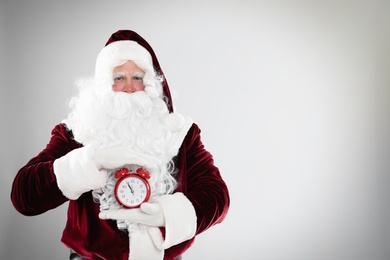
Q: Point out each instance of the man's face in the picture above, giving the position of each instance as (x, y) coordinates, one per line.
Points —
(128, 77)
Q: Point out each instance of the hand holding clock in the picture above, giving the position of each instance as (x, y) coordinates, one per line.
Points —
(174, 212)
(148, 213)
(85, 168)
(115, 157)
(136, 208)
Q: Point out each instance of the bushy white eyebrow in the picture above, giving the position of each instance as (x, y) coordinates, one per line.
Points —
(139, 74)
(119, 74)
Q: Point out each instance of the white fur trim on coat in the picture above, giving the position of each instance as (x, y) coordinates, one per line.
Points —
(141, 246)
(179, 126)
(180, 221)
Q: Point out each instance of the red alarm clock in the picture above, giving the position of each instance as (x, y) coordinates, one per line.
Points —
(132, 188)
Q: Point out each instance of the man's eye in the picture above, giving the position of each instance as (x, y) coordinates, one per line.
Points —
(119, 78)
(137, 78)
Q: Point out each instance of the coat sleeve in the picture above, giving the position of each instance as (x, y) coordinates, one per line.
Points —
(34, 189)
(205, 187)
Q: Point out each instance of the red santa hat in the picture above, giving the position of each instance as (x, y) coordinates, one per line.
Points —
(128, 45)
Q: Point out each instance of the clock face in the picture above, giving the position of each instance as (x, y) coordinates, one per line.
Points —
(131, 190)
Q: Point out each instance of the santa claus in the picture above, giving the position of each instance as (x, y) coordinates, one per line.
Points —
(122, 123)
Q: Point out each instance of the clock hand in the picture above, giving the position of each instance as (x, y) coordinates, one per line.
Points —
(131, 189)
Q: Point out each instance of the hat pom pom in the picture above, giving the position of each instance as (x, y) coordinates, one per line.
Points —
(174, 122)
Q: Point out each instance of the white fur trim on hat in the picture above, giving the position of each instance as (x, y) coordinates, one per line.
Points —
(116, 54)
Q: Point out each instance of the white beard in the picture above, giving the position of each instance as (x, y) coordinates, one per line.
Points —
(119, 119)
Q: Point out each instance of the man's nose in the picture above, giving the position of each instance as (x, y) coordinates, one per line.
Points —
(129, 87)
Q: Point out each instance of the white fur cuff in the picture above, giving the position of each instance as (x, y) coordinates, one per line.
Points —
(180, 221)
(76, 173)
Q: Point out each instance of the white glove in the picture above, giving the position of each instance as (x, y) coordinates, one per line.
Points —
(116, 157)
(85, 168)
(149, 214)
(173, 211)
(77, 173)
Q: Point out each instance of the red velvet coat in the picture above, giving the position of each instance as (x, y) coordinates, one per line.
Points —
(35, 191)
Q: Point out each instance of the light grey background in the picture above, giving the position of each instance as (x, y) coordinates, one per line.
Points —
(292, 97)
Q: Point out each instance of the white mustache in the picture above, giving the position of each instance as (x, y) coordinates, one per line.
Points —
(120, 105)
